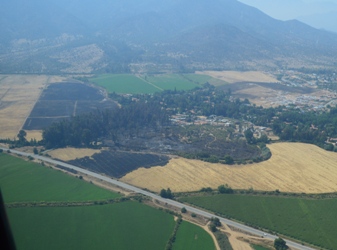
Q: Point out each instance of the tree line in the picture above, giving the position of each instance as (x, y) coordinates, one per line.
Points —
(87, 129)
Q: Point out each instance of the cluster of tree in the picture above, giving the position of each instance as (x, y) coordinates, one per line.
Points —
(215, 222)
(290, 124)
(85, 130)
(151, 112)
(166, 193)
(225, 189)
(308, 127)
(280, 244)
(21, 141)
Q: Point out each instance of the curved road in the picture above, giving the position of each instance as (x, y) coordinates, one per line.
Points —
(157, 197)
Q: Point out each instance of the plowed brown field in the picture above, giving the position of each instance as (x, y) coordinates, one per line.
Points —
(293, 167)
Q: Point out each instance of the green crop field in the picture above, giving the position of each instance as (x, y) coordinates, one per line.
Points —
(256, 247)
(190, 236)
(201, 79)
(23, 181)
(148, 84)
(124, 84)
(172, 82)
(126, 225)
(309, 220)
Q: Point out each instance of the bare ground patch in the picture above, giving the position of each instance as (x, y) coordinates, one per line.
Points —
(18, 95)
(238, 76)
(68, 154)
(293, 167)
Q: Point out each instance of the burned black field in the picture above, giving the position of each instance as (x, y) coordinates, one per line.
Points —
(63, 100)
(117, 164)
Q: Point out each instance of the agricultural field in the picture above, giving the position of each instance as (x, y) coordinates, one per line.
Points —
(18, 95)
(172, 81)
(24, 181)
(148, 84)
(125, 84)
(238, 76)
(61, 226)
(126, 225)
(293, 167)
(193, 237)
(117, 163)
(62, 100)
(68, 154)
(309, 220)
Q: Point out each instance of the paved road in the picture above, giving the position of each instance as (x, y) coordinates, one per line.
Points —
(157, 197)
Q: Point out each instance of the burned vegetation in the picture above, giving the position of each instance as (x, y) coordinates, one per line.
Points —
(166, 123)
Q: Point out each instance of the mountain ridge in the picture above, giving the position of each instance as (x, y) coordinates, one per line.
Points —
(224, 34)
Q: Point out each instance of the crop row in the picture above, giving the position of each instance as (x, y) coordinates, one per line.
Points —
(117, 164)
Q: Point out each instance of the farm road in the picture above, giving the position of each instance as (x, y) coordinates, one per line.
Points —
(157, 197)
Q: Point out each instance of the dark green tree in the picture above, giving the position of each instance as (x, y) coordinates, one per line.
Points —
(225, 189)
(22, 135)
(280, 244)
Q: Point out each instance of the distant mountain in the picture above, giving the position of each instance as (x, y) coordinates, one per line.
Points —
(76, 36)
(316, 13)
(326, 21)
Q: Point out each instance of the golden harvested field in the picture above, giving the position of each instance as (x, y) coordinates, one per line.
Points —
(293, 167)
(68, 154)
(237, 76)
(34, 134)
(18, 95)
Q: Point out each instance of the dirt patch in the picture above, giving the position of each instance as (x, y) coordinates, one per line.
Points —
(237, 76)
(68, 154)
(18, 95)
(293, 167)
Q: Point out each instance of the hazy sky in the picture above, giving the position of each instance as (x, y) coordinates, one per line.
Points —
(321, 14)
(292, 9)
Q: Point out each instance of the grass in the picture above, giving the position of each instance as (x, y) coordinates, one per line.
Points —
(172, 82)
(148, 84)
(23, 181)
(190, 236)
(312, 221)
(124, 84)
(126, 225)
(256, 247)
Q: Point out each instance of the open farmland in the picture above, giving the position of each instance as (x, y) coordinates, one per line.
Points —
(293, 167)
(18, 95)
(68, 154)
(125, 84)
(23, 181)
(117, 164)
(238, 76)
(310, 220)
(148, 84)
(60, 225)
(62, 100)
(126, 225)
(193, 237)
(172, 81)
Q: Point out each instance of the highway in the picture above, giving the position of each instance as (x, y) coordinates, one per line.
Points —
(159, 198)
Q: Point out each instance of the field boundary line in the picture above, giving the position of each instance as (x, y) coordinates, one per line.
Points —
(149, 83)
